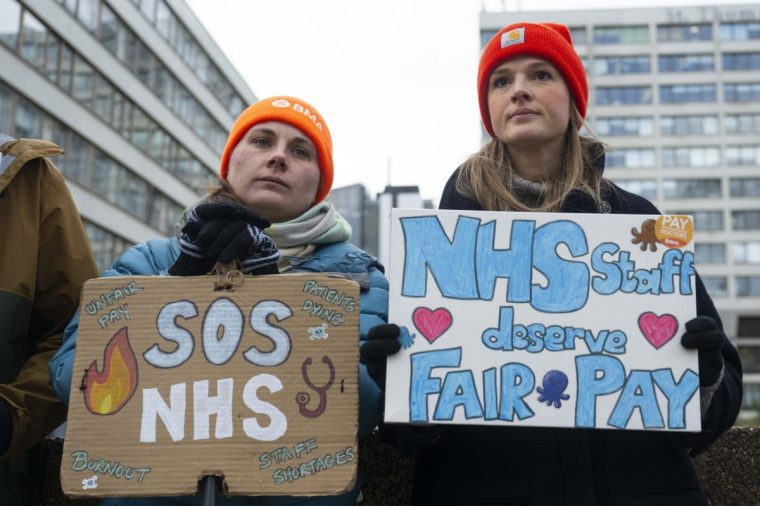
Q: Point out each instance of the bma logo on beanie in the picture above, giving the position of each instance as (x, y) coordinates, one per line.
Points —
(512, 37)
(299, 108)
(306, 112)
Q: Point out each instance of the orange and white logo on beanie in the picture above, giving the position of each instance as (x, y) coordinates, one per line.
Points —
(297, 113)
(516, 36)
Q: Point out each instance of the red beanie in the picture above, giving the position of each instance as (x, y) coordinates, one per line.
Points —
(550, 41)
(297, 113)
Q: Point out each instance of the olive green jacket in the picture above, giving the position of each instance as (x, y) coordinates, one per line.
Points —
(44, 260)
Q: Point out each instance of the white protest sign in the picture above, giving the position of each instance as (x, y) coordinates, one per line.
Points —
(542, 319)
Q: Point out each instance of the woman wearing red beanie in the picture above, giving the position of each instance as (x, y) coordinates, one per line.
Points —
(267, 215)
(532, 93)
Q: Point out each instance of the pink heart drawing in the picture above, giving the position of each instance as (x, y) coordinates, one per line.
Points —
(658, 330)
(432, 323)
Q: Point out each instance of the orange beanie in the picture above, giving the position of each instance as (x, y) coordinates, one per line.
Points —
(294, 112)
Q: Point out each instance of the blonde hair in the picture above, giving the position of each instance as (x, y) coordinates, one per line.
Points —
(486, 176)
(222, 190)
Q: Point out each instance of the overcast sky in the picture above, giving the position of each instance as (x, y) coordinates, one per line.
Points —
(394, 79)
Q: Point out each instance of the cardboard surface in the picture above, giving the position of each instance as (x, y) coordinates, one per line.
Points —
(258, 384)
(542, 319)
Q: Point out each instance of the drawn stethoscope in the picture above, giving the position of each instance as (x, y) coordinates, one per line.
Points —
(303, 398)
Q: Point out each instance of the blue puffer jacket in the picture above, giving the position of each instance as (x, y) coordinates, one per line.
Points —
(156, 256)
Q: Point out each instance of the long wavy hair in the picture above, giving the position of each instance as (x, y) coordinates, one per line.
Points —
(486, 176)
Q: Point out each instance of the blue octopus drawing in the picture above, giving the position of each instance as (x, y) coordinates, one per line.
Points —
(552, 391)
(405, 338)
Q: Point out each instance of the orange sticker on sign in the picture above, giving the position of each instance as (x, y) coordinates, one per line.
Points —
(674, 231)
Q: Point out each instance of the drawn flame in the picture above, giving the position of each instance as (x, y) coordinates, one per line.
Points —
(106, 392)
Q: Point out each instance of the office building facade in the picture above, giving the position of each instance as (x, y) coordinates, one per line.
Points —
(675, 93)
(138, 95)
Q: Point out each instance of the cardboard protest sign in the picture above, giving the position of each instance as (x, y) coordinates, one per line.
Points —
(174, 380)
(542, 319)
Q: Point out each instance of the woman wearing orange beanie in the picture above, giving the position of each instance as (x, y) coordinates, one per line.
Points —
(532, 94)
(268, 214)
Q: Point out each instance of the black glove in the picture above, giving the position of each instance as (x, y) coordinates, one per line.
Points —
(222, 232)
(702, 334)
(382, 341)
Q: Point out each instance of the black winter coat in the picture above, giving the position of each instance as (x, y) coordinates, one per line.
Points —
(542, 466)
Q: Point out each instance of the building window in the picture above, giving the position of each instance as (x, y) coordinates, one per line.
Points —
(485, 37)
(106, 247)
(691, 188)
(105, 177)
(680, 93)
(78, 158)
(741, 61)
(740, 31)
(27, 119)
(685, 63)
(748, 286)
(113, 34)
(749, 326)
(104, 93)
(744, 156)
(751, 397)
(52, 54)
(689, 125)
(646, 188)
(578, 35)
(742, 123)
(716, 286)
(66, 64)
(6, 109)
(690, 156)
(87, 12)
(135, 195)
(746, 253)
(141, 61)
(140, 127)
(741, 92)
(640, 126)
(704, 221)
(631, 158)
(83, 82)
(32, 45)
(745, 187)
(684, 33)
(745, 220)
(606, 65)
(9, 26)
(148, 8)
(621, 95)
(710, 253)
(750, 356)
(638, 34)
(163, 214)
